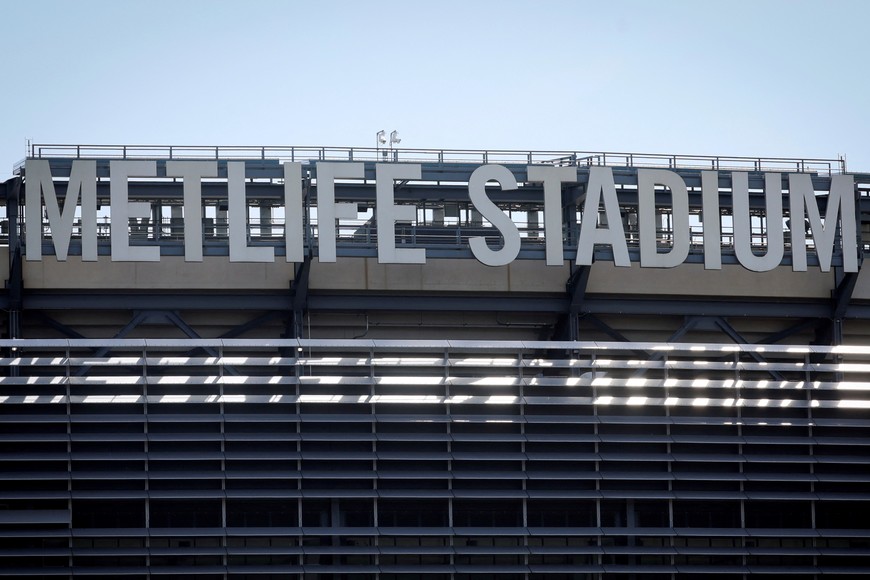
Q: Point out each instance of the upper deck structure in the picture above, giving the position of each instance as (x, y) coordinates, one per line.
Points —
(325, 363)
(564, 237)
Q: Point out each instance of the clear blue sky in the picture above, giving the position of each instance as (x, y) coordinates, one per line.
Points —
(736, 77)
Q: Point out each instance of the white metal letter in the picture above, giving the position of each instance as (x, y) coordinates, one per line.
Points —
(553, 178)
(237, 204)
(601, 187)
(123, 210)
(743, 226)
(387, 213)
(841, 200)
(192, 173)
(490, 211)
(712, 221)
(83, 178)
(327, 210)
(647, 179)
(294, 237)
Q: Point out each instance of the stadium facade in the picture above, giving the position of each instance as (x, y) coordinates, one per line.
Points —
(299, 362)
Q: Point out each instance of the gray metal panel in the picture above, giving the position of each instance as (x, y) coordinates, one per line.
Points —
(625, 468)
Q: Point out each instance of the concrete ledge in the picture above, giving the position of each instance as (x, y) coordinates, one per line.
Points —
(437, 275)
(694, 280)
(171, 272)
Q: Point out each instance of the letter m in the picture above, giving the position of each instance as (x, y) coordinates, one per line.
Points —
(841, 201)
(82, 179)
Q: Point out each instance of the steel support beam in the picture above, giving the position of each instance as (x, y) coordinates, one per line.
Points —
(575, 288)
(791, 330)
(35, 300)
(40, 300)
(609, 331)
(708, 307)
(843, 294)
(252, 324)
(732, 333)
(604, 327)
(840, 299)
(138, 318)
(54, 324)
(143, 316)
(15, 284)
(299, 289)
(688, 324)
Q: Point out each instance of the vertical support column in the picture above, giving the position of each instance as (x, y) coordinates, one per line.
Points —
(837, 332)
(570, 226)
(265, 220)
(374, 448)
(599, 558)
(145, 447)
(16, 277)
(223, 442)
(156, 221)
(300, 298)
(669, 448)
(221, 223)
(475, 218)
(438, 215)
(68, 392)
(576, 290)
(335, 521)
(298, 371)
(176, 222)
(533, 226)
(839, 307)
(207, 223)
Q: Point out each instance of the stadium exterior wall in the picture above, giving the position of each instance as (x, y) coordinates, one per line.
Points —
(448, 419)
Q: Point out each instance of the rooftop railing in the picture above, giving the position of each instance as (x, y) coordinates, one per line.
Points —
(475, 156)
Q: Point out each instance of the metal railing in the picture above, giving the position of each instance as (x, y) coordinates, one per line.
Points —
(476, 156)
(365, 234)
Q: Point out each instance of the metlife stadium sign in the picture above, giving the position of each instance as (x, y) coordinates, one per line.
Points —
(600, 199)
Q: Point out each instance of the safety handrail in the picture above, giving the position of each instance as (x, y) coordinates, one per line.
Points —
(444, 156)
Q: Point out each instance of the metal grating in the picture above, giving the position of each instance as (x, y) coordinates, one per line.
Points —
(447, 459)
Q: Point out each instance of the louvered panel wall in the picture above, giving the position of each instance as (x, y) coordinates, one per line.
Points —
(387, 459)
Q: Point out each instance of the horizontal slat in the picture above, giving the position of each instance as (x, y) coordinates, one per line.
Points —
(621, 431)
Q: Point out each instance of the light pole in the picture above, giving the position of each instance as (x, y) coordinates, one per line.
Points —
(394, 140)
(380, 139)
